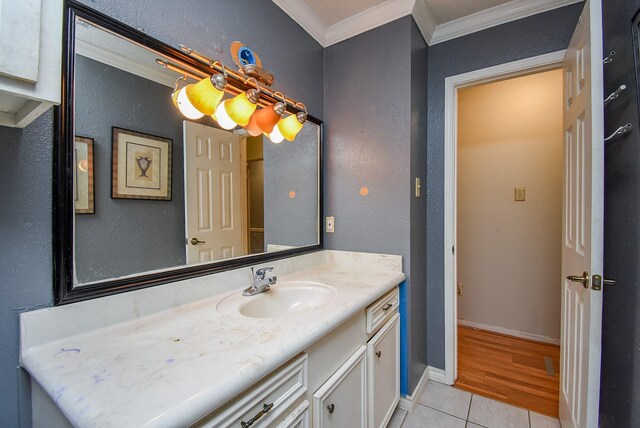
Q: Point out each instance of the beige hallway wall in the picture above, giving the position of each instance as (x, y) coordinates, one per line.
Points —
(510, 135)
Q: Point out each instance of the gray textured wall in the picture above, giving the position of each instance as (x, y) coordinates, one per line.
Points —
(374, 127)
(291, 166)
(535, 35)
(619, 389)
(126, 236)
(26, 161)
(418, 166)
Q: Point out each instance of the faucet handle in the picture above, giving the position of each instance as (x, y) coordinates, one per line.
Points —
(261, 273)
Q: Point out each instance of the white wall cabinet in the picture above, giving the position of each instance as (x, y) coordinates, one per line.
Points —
(383, 366)
(342, 400)
(30, 64)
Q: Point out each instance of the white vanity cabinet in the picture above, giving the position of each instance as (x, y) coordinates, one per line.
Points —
(30, 64)
(264, 402)
(342, 400)
(383, 366)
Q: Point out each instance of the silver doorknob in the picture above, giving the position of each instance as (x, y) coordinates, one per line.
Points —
(584, 279)
(195, 241)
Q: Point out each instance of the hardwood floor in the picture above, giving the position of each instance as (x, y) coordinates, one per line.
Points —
(508, 369)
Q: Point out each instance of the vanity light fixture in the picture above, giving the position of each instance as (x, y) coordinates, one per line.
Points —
(249, 88)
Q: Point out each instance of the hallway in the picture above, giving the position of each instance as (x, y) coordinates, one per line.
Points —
(509, 369)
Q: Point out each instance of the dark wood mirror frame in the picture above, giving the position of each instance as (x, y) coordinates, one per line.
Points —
(65, 291)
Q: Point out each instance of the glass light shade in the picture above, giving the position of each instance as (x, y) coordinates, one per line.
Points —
(240, 109)
(289, 127)
(268, 117)
(223, 118)
(275, 136)
(252, 127)
(203, 96)
(187, 109)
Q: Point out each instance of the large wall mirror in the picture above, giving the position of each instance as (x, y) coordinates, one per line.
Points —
(145, 197)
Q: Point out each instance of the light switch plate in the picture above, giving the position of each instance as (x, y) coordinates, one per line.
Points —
(330, 224)
(519, 194)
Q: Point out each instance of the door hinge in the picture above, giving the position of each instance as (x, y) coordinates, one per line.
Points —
(453, 250)
(597, 281)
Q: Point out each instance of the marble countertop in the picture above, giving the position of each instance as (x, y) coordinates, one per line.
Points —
(174, 367)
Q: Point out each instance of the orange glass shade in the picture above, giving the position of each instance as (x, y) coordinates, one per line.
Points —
(240, 109)
(252, 127)
(204, 96)
(289, 127)
(268, 117)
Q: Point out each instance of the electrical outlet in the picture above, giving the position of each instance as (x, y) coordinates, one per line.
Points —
(519, 194)
(330, 224)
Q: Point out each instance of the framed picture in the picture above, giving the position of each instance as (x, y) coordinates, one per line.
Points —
(83, 175)
(141, 166)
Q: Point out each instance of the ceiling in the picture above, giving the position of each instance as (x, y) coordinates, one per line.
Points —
(331, 21)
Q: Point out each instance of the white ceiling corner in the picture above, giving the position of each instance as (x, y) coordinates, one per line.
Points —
(390, 10)
(306, 18)
(424, 19)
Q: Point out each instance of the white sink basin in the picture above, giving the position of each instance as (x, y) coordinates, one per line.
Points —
(284, 299)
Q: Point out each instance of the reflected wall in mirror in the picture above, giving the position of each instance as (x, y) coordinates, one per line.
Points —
(232, 195)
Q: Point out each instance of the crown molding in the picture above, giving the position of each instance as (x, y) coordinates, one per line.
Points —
(391, 10)
(424, 19)
(497, 15)
(368, 19)
(306, 18)
(120, 62)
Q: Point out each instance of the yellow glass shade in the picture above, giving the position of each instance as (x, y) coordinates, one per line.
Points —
(289, 127)
(204, 96)
(252, 127)
(240, 109)
(181, 101)
(276, 137)
(223, 118)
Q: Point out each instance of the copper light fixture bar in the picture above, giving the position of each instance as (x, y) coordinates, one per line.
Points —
(237, 82)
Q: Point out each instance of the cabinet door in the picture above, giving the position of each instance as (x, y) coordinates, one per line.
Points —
(383, 361)
(342, 400)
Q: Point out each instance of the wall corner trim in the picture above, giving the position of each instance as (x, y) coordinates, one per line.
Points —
(409, 402)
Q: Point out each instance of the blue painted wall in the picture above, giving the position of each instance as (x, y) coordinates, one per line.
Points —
(26, 161)
(535, 35)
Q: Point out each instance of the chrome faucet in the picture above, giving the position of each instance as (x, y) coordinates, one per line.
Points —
(261, 282)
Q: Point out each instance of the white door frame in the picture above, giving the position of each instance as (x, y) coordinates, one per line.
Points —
(452, 84)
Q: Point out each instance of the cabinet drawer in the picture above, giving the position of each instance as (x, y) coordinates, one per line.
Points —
(265, 401)
(383, 364)
(383, 309)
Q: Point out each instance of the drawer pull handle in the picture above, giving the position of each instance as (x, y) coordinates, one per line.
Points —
(331, 408)
(261, 413)
(387, 307)
(379, 354)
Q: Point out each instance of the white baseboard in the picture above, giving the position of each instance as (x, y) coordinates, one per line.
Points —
(409, 402)
(508, 332)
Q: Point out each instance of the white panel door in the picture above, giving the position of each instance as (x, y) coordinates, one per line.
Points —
(582, 222)
(213, 213)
